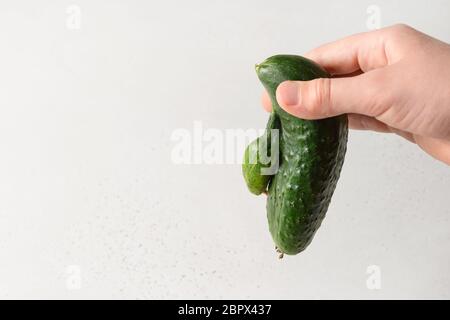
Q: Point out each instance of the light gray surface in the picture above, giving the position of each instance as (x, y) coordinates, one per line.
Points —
(91, 205)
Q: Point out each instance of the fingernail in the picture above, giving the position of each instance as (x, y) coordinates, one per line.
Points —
(287, 93)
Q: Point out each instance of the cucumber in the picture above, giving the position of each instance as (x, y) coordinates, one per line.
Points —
(311, 157)
(257, 164)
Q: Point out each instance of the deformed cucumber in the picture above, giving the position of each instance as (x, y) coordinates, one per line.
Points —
(311, 157)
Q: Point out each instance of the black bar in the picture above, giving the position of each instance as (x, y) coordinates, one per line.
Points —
(231, 309)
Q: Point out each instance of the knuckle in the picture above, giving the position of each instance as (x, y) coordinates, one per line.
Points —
(401, 28)
(319, 96)
(379, 91)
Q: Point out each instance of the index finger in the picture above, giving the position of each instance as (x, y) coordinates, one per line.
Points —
(364, 51)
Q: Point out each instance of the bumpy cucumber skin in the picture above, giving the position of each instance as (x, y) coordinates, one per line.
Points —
(256, 181)
(312, 155)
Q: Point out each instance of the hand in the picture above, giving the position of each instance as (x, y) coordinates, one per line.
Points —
(395, 79)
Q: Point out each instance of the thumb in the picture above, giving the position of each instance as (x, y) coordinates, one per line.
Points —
(324, 97)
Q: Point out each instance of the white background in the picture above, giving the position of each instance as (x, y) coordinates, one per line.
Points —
(91, 205)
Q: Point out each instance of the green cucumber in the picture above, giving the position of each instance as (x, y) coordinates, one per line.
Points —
(311, 157)
(257, 158)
